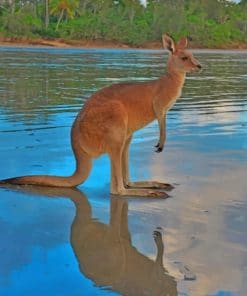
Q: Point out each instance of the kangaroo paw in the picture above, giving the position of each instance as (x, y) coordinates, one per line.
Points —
(159, 149)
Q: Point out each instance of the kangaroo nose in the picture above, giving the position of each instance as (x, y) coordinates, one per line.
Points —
(199, 66)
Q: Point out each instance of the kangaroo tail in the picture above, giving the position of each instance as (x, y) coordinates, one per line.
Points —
(83, 168)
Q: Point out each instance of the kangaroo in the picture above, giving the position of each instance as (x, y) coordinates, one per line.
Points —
(109, 118)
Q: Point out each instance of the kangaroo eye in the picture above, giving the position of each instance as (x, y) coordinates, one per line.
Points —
(184, 58)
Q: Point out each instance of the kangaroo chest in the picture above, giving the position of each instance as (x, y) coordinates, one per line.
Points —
(173, 100)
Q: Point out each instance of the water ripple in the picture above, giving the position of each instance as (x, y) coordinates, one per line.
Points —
(43, 87)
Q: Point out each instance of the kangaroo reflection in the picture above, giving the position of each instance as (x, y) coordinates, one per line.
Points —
(105, 253)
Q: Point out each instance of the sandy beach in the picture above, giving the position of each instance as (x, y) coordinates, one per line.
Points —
(64, 242)
(83, 43)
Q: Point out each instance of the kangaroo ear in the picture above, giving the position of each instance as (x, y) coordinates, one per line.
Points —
(168, 43)
(182, 43)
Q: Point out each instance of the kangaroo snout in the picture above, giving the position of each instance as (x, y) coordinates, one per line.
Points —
(199, 68)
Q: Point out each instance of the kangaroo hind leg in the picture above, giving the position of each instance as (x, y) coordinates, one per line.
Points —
(138, 184)
(117, 181)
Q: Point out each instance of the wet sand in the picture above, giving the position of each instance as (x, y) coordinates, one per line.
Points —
(203, 226)
(63, 242)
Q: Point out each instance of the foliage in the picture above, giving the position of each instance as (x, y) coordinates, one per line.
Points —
(210, 23)
(63, 9)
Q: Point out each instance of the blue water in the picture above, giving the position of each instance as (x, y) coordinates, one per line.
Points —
(41, 90)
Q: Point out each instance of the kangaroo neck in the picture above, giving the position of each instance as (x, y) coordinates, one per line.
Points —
(169, 90)
(175, 77)
(171, 84)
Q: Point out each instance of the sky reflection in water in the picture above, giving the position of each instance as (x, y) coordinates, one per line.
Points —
(41, 91)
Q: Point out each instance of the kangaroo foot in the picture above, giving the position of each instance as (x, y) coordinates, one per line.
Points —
(140, 192)
(150, 184)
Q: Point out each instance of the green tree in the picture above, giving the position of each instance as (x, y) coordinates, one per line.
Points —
(64, 8)
(47, 17)
(209, 22)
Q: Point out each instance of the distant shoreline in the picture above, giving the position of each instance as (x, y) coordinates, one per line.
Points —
(61, 43)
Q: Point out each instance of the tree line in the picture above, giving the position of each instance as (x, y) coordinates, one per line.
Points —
(209, 23)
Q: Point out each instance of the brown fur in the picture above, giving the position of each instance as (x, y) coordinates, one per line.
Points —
(108, 119)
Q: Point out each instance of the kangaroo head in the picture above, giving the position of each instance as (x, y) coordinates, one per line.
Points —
(180, 59)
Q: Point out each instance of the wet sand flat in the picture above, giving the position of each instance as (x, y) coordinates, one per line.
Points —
(63, 242)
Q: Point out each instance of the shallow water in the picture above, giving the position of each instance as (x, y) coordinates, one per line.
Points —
(63, 242)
